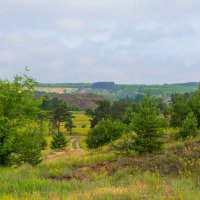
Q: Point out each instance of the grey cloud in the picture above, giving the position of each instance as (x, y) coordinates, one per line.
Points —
(127, 41)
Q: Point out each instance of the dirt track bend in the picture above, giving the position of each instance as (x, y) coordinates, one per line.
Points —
(74, 150)
(74, 145)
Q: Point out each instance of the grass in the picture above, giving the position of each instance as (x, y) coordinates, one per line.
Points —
(82, 123)
(77, 179)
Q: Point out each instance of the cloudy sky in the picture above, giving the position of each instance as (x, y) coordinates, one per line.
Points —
(126, 41)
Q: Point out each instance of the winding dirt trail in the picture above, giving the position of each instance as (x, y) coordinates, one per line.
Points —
(74, 150)
(74, 145)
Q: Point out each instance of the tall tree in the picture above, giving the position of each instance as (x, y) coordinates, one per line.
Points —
(69, 125)
(147, 126)
(180, 109)
(101, 112)
(189, 126)
(194, 104)
(17, 109)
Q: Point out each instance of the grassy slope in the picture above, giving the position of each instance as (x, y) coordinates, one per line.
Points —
(100, 174)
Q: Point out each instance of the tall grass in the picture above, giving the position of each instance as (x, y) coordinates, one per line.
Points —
(28, 183)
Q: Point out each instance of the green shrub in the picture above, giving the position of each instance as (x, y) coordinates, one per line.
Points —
(104, 132)
(28, 145)
(59, 141)
(83, 126)
(125, 146)
(189, 126)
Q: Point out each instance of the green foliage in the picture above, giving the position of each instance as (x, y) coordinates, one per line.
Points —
(117, 109)
(124, 146)
(57, 111)
(27, 145)
(189, 126)
(59, 141)
(69, 125)
(147, 126)
(17, 108)
(180, 109)
(194, 104)
(128, 116)
(7, 136)
(104, 132)
(101, 112)
(103, 85)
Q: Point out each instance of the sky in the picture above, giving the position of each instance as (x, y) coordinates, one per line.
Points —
(125, 41)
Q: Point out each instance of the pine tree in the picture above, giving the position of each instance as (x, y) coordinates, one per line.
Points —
(189, 126)
(147, 126)
(59, 141)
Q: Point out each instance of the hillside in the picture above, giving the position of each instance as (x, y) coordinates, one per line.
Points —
(78, 174)
(83, 101)
(118, 91)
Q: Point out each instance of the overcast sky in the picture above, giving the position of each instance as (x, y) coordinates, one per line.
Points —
(126, 41)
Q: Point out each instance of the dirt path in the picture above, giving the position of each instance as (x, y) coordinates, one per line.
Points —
(74, 150)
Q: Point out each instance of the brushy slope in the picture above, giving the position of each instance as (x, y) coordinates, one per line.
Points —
(100, 174)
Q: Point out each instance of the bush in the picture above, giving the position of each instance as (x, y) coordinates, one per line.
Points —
(125, 146)
(83, 126)
(189, 126)
(28, 146)
(104, 132)
(59, 141)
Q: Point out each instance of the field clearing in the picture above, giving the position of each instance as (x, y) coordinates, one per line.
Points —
(56, 90)
(82, 123)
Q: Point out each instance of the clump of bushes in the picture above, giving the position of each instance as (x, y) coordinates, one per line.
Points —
(104, 132)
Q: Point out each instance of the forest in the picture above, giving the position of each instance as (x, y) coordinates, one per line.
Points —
(122, 91)
(130, 148)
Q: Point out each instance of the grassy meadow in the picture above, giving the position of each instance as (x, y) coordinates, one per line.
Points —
(101, 174)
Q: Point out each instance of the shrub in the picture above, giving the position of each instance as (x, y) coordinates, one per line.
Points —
(83, 126)
(28, 145)
(104, 132)
(125, 146)
(189, 126)
(59, 141)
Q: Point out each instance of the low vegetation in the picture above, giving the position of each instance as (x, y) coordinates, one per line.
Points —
(144, 149)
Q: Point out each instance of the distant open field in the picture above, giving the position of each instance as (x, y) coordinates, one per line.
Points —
(82, 123)
(57, 90)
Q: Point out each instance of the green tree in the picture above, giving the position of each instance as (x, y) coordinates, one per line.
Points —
(57, 112)
(189, 126)
(147, 125)
(128, 116)
(17, 109)
(27, 145)
(194, 104)
(104, 132)
(59, 141)
(117, 109)
(180, 109)
(101, 112)
(69, 125)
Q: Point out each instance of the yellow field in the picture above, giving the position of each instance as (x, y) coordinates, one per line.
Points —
(56, 90)
(82, 123)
